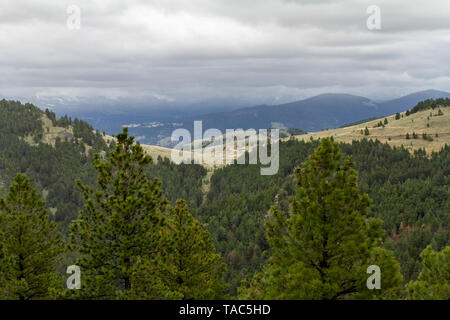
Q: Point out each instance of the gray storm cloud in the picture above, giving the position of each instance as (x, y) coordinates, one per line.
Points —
(186, 51)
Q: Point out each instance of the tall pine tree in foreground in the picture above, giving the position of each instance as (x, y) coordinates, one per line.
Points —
(322, 249)
(29, 245)
(433, 282)
(121, 226)
(195, 270)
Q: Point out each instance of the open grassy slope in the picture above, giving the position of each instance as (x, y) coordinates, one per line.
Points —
(153, 151)
(51, 133)
(394, 133)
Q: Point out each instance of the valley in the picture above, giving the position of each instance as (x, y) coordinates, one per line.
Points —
(321, 112)
(233, 202)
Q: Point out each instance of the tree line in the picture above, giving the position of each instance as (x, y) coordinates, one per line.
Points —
(409, 192)
(131, 243)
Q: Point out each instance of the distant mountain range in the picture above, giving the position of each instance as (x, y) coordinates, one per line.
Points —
(410, 100)
(329, 110)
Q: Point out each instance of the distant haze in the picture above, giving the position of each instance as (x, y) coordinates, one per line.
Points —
(218, 54)
(329, 110)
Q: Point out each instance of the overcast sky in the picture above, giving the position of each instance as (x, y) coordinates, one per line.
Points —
(183, 51)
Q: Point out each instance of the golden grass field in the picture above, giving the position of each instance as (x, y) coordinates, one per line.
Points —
(52, 132)
(153, 151)
(394, 133)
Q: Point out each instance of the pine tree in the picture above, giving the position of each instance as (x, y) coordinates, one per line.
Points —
(29, 245)
(385, 121)
(397, 116)
(193, 268)
(366, 131)
(322, 249)
(121, 226)
(434, 279)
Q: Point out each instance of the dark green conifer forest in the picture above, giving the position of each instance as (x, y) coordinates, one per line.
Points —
(142, 228)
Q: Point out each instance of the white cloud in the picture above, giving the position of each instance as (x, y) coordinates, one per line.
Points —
(186, 51)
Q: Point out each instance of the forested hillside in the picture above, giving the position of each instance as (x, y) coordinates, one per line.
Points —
(127, 227)
(53, 153)
(410, 193)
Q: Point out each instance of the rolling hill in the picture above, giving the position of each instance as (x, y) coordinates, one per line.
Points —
(436, 127)
(406, 102)
(329, 110)
(409, 191)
